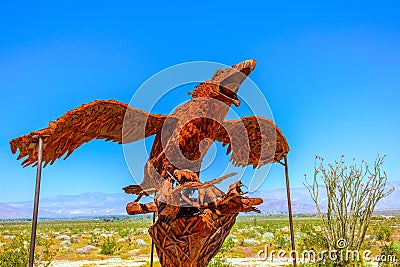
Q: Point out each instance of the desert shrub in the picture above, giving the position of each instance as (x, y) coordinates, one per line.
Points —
(140, 242)
(94, 239)
(109, 247)
(85, 249)
(227, 245)
(124, 232)
(280, 240)
(352, 192)
(219, 262)
(384, 233)
(251, 242)
(312, 238)
(390, 255)
(46, 254)
(15, 253)
(267, 237)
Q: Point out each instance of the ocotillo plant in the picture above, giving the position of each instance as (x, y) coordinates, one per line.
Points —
(352, 193)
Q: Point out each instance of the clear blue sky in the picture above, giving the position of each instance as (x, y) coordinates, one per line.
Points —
(330, 72)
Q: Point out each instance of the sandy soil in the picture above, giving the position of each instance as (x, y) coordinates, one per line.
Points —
(248, 262)
(115, 262)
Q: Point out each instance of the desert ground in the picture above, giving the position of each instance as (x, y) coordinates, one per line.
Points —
(126, 242)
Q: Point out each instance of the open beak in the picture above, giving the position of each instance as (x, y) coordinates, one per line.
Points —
(231, 78)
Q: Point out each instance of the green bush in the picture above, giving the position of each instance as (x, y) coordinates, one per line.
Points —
(15, 254)
(109, 247)
(94, 239)
(312, 239)
(227, 245)
(390, 255)
(280, 241)
(45, 256)
(267, 237)
(384, 233)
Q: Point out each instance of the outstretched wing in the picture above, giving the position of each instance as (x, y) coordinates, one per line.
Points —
(100, 119)
(253, 140)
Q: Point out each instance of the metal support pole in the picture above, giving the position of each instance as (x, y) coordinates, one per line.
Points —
(36, 203)
(152, 243)
(290, 212)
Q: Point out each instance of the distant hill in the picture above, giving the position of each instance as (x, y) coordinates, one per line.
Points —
(103, 204)
(68, 206)
(275, 201)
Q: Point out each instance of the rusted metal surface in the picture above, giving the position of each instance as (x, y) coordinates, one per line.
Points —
(290, 211)
(172, 172)
(152, 244)
(36, 203)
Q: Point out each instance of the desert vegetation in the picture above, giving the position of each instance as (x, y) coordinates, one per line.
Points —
(128, 239)
(344, 223)
(351, 192)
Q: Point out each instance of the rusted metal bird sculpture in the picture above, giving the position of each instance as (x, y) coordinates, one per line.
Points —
(189, 231)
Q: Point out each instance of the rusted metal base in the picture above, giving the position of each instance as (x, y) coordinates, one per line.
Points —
(190, 241)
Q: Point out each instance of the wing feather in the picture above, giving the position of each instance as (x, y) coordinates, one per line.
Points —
(101, 119)
(253, 141)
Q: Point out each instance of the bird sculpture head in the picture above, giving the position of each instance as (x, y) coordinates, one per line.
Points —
(225, 83)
